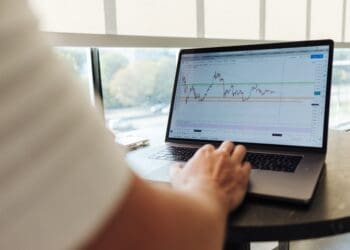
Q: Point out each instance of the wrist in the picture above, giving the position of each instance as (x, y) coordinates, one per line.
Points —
(209, 197)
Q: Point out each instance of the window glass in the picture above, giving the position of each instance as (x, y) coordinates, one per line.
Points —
(157, 17)
(285, 19)
(79, 59)
(340, 99)
(137, 86)
(232, 19)
(77, 16)
(326, 19)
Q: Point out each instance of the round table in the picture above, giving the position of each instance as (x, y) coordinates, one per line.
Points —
(327, 214)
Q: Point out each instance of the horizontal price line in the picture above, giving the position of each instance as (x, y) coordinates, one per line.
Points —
(244, 83)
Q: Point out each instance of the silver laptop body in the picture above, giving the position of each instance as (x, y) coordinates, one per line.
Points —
(272, 98)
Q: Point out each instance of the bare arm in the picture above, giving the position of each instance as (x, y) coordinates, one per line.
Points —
(191, 216)
(57, 165)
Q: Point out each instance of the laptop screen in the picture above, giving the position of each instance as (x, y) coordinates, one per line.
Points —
(264, 96)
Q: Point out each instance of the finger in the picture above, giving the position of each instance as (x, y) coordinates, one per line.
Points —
(239, 153)
(226, 146)
(207, 147)
(175, 170)
(246, 169)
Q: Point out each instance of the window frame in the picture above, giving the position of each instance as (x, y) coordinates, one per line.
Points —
(111, 20)
(106, 41)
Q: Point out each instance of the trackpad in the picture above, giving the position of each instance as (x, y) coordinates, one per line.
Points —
(159, 174)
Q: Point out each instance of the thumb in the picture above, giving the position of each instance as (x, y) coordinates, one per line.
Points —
(175, 170)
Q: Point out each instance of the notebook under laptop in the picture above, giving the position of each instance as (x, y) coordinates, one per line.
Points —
(273, 98)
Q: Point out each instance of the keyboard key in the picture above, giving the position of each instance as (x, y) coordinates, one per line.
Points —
(174, 154)
(262, 161)
(273, 162)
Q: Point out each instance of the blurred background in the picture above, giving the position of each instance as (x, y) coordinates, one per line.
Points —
(138, 42)
(126, 50)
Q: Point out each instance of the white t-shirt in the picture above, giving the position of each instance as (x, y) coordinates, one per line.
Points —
(61, 174)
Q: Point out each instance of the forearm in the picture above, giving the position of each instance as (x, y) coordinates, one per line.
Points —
(161, 218)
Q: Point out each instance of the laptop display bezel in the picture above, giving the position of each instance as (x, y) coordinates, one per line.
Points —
(329, 43)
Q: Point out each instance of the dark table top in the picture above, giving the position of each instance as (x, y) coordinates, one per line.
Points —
(328, 213)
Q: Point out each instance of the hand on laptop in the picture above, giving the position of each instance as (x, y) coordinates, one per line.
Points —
(218, 174)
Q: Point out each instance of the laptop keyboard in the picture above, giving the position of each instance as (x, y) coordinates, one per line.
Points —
(175, 154)
(272, 162)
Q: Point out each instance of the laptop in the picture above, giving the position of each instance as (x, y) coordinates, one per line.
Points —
(272, 98)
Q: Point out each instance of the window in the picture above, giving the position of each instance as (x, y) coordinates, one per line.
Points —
(340, 99)
(326, 19)
(347, 22)
(157, 17)
(137, 86)
(79, 59)
(78, 16)
(223, 19)
(235, 19)
(285, 20)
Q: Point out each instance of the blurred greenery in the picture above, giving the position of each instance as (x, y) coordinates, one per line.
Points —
(77, 58)
(340, 101)
(111, 62)
(137, 77)
(130, 77)
(341, 54)
(341, 75)
(74, 57)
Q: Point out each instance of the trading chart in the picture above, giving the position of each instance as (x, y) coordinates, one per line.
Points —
(271, 97)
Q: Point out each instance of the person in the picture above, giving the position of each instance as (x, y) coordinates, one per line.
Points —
(64, 183)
